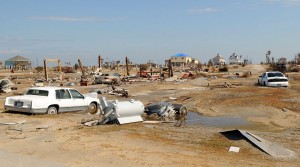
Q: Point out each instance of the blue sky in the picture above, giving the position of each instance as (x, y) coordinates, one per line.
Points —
(146, 30)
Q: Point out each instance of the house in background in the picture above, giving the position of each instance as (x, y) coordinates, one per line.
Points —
(218, 60)
(18, 63)
(235, 59)
(183, 60)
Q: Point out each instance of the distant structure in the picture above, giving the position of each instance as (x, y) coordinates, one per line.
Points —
(1, 64)
(183, 60)
(218, 60)
(282, 60)
(18, 63)
(235, 59)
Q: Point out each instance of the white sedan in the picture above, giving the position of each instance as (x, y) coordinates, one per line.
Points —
(273, 78)
(52, 100)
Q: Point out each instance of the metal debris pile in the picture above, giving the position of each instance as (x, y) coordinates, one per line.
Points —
(123, 112)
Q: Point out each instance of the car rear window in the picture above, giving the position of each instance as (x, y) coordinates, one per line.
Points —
(277, 74)
(37, 92)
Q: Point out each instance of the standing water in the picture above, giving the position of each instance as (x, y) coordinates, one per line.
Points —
(194, 118)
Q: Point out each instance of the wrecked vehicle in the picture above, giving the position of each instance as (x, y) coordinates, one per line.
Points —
(52, 100)
(5, 85)
(108, 78)
(167, 111)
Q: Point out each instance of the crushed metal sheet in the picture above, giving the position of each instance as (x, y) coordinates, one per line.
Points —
(266, 146)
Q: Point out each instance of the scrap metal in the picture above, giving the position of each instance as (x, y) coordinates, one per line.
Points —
(167, 111)
(268, 147)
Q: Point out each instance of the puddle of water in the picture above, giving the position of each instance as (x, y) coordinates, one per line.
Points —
(194, 118)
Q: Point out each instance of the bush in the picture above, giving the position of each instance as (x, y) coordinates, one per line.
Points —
(144, 67)
(223, 69)
(39, 68)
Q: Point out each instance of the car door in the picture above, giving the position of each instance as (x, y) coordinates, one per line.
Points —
(64, 100)
(264, 79)
(78, 100)
(261, 79)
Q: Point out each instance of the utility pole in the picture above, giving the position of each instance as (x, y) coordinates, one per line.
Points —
(127, 70)
(45, 69)
(99, 61)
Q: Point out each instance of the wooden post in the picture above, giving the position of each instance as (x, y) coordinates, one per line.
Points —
(81, 68)
(169, 68)
(140, 70)
(45, 69)
(99, 61)
(59, 70)
(127, 70)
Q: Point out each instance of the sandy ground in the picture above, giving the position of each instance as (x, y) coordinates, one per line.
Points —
(67, 143)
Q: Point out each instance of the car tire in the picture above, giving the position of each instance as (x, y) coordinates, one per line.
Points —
(52, 110)
(93, 109)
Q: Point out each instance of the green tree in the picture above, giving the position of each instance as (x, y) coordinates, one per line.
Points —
(76, 66)
(39, 68)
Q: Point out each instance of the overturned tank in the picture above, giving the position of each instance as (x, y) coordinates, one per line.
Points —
(120, 112)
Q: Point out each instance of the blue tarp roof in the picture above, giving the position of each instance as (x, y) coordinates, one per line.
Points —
(180, 55)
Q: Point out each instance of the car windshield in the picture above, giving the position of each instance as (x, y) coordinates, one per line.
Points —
(37, 92)
(275, 74)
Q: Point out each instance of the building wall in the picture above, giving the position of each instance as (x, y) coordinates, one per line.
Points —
(181, 59)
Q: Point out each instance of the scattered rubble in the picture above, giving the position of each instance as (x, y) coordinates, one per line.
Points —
(234, 149)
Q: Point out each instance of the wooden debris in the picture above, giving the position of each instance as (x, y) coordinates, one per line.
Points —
(13, 123)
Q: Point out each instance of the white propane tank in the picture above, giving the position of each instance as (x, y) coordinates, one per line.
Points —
(126, 111)
(128, 108)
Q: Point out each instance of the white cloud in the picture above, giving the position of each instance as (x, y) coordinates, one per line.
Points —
(203, 10)
(284, 2)
(73, 19)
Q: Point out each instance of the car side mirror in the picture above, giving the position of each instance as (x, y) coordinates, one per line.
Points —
(260, 76)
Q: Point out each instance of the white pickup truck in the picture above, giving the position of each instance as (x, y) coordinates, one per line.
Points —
(52, 100)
